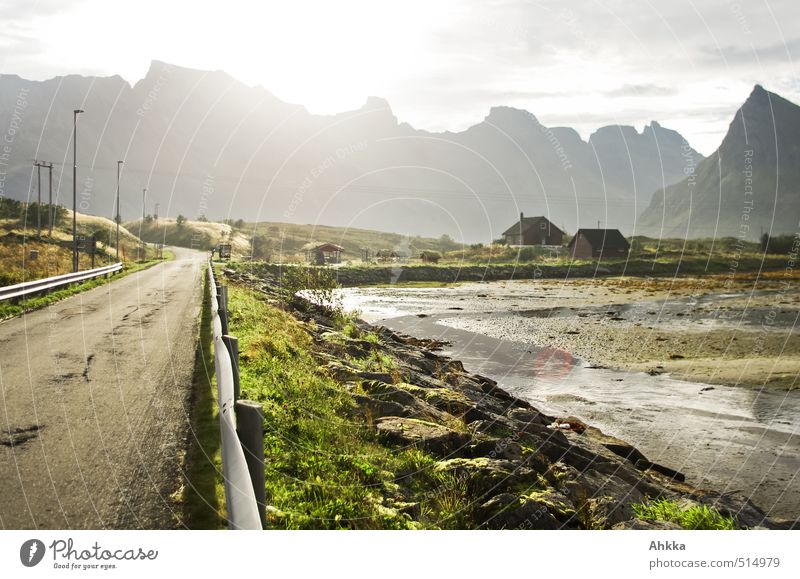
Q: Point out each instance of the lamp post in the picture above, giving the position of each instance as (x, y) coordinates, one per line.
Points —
(118, 217)
(75, 114)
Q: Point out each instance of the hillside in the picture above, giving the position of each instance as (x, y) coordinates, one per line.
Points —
(19, 243)
(279, 242)
(213, 146)
(201, 235)
(286, 241)
(749, 186)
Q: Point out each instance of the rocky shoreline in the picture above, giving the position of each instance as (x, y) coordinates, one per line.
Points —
(520, 468)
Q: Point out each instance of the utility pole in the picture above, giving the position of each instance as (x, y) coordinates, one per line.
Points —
(118, 215)
(75, 114)
(50, 213)
(144, 196)
(38, 165)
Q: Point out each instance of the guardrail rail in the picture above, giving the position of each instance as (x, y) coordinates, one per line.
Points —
(243, 447)
(37, 286)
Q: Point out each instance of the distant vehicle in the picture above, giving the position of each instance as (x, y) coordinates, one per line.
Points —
(224, 250)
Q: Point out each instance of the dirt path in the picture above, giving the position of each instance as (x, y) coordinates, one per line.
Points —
(93, 403)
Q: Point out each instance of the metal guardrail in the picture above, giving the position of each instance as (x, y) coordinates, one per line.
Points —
(244, 511)
(28, 288)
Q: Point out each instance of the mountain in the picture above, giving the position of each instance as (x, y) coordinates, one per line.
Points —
(205, 144)
(750, 185)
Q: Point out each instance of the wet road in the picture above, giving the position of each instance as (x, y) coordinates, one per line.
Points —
(94, 395)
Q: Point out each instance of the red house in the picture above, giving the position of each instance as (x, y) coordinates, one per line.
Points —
(598, 244)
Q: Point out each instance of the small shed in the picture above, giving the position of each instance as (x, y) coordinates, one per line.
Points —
(533, 231)
(598, 244)
(430, 256)
(325, 253)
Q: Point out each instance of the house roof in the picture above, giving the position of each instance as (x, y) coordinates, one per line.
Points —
(528, 222)
(602, 238)
(328, 247)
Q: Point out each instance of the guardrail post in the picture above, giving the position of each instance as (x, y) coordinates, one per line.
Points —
(232, 344)
(223, 308)
(250, 427)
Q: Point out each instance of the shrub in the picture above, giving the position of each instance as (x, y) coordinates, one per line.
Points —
(698, 517)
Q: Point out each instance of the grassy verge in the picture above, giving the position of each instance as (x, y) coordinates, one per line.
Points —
(203, 491)
(325, 468)
(9, 310)
(699, 517)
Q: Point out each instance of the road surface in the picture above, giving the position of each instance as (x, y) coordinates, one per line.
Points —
(94, 397)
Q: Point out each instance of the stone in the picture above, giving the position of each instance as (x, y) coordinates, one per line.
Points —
(435, 438)
(487, 476)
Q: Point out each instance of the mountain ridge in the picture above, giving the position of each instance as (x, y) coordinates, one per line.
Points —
(749, 186)
(179, 129)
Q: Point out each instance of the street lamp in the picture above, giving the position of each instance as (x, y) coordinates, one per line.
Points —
(118, 217)
(75, 114)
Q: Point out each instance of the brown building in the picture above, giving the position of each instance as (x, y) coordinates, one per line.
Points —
(323, 254)
(533, 231)
(598, 244)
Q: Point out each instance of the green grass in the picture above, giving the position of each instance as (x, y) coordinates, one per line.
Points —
(203, 490)
(699, 517)
(325, 468)
(10, 310)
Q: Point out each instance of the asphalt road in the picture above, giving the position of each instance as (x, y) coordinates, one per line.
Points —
(94, 402)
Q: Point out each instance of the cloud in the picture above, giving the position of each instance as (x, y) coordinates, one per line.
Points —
(641, 90)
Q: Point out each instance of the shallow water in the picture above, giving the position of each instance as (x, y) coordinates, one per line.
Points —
(726, 438)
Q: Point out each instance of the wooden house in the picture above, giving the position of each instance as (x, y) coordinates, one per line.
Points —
(533, 231)
(324, 253)
(598, 244)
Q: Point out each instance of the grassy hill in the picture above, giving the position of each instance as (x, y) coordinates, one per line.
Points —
(285, 241)
(282, 242)
(201, 235)
(25, 256)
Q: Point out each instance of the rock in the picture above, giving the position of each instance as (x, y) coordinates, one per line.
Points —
(543, 510)
(504, 448)
(507, 511)
(488, 476)
(372, 408)
(644, 464)
(435, 438)
(528, 416)
(403, 396)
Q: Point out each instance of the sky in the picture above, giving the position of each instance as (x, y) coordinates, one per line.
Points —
(441, 64)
